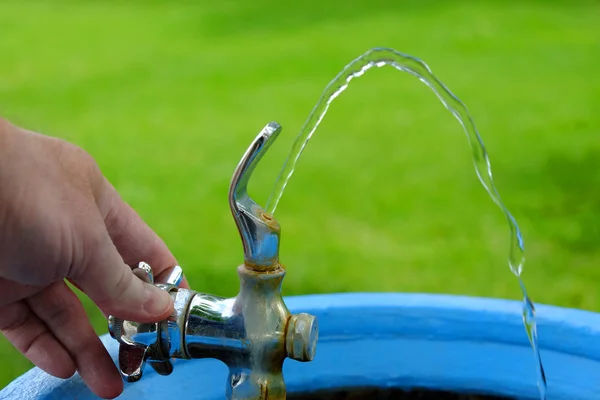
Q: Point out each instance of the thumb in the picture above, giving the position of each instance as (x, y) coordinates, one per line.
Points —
(111, 284)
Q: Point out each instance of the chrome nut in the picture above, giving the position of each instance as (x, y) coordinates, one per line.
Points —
(301, 337)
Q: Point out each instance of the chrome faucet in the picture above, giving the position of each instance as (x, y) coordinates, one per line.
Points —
(251, 333)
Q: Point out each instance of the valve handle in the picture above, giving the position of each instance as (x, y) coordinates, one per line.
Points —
(159, 360)
(132, 359)
(143, 342)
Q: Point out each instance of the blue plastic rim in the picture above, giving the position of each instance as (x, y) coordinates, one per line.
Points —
(437, 342)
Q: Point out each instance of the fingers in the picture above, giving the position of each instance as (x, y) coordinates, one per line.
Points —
(33, 338)
(132, 237)
(63, 314)
(109, 282)
(13, 291)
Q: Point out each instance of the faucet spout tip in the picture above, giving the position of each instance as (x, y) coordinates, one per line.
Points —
(259, 231)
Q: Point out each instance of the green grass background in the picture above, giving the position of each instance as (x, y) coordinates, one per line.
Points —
(167, 97)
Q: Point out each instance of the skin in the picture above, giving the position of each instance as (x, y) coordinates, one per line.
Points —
(62, 221)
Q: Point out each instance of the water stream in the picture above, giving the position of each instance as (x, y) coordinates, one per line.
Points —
(380, 57)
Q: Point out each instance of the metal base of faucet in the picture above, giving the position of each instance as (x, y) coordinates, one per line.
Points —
(251, 333)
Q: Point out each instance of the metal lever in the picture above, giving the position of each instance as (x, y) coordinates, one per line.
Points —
(150, 339)
(258, 230)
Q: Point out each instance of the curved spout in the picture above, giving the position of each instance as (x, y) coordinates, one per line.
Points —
(258, 230)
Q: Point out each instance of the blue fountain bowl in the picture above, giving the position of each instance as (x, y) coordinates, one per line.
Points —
(372, 343)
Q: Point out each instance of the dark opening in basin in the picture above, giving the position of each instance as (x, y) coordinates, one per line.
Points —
(388, 394)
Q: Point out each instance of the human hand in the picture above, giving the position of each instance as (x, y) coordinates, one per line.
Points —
(61, 220)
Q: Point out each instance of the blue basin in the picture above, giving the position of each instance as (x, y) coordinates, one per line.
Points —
(378, 342)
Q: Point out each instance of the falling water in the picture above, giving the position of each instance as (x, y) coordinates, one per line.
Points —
(380, 57)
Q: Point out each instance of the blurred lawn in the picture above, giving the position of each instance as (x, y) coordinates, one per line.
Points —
(167, 97)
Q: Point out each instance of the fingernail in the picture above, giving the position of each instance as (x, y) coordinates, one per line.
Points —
(156, 301)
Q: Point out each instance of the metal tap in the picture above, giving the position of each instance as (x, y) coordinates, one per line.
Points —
(251, 333)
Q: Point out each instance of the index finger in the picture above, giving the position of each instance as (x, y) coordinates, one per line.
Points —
(134, 239)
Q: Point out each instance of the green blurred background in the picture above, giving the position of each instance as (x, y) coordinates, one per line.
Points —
(167, 97)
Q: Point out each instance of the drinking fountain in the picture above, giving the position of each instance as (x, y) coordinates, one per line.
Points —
(251, 333)
(371, 345)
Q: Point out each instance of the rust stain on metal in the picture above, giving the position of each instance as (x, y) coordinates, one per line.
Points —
(269, 220)
(274, 268)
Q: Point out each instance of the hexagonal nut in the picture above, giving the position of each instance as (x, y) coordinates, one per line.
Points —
(301, 337)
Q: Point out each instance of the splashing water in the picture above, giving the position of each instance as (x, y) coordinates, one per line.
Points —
(380, 57)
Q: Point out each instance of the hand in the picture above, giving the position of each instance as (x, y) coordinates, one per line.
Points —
(61, 220)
